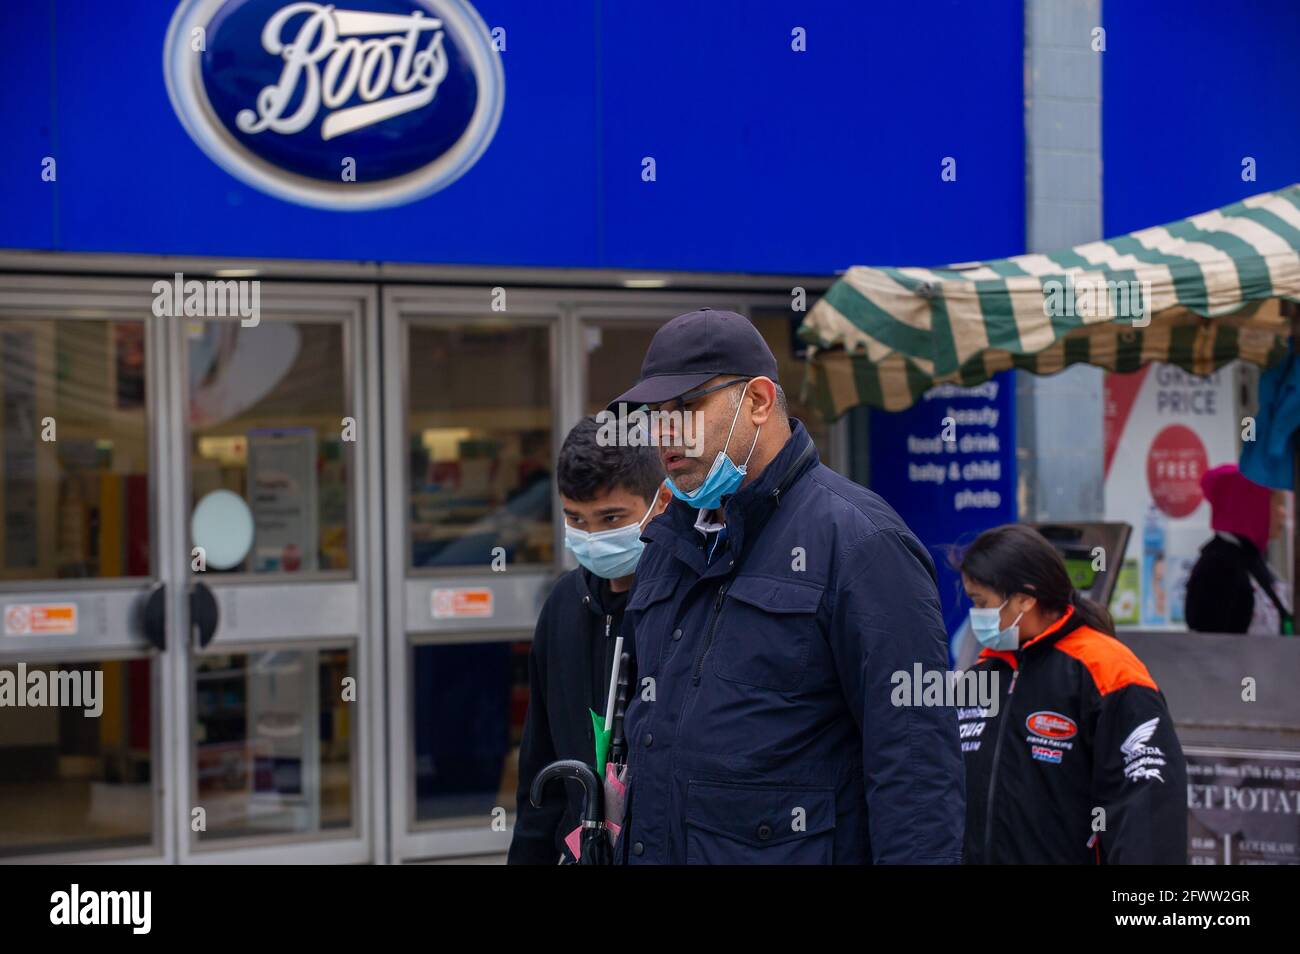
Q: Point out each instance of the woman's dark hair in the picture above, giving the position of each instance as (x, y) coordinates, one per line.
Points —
(1014, 558)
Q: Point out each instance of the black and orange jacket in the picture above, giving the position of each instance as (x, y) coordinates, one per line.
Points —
(1079, 764)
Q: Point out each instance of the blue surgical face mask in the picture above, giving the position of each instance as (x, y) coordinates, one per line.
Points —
(986, 625)
(611, 554)
(724, 477)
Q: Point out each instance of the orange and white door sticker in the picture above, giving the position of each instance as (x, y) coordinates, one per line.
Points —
(462, 603)
(40, 619)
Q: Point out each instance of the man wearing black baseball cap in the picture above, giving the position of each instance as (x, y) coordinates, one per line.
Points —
(690, 359)
(775, 604)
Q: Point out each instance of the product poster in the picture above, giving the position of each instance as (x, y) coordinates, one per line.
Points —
(283, 497)
(1164, 428)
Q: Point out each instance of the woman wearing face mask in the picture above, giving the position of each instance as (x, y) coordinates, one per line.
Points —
(1078, 762)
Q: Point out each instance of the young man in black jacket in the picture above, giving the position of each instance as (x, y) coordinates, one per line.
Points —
(609, 494)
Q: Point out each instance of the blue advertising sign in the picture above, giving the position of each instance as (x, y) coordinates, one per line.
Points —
(371, 104)
(948, 466)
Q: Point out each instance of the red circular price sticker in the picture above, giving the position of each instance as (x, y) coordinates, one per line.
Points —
(1175, 463)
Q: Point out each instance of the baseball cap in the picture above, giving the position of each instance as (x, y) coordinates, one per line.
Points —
(694, 347)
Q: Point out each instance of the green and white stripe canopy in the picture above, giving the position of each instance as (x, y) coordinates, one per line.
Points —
(1207, 293)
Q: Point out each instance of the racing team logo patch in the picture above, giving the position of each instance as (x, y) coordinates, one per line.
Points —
(1049, 735)
(1142, 760)
(1051, 725)
(1043, 754)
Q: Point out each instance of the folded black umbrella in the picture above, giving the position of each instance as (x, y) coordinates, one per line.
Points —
(596, 849)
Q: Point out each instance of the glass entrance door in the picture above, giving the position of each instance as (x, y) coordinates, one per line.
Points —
(190, 572)
(472, 549)
(275, 459)
(84, 739)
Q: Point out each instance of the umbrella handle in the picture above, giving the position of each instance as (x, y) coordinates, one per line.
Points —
(593, 808)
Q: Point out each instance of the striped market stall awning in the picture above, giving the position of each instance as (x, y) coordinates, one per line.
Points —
(1197, 293)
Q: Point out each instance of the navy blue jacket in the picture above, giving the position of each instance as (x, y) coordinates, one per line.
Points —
(762, 730)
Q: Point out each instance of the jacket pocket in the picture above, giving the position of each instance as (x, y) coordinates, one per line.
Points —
(766, 632)
(646, 593)
(729, 824)
(645, 620)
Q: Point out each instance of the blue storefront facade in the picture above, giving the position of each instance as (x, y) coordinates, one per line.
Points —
(464, 223)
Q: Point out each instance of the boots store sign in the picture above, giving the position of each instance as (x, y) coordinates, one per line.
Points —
(359, 105)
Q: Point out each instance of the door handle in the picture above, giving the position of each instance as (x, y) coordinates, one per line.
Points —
(203, 613)
(153, 618)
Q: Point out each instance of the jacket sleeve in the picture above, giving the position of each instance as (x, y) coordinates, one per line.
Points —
(533, 842)
(886, 619)
(1139, 779)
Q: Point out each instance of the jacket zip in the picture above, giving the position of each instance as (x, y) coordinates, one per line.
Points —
(993, 774)
(708, 636)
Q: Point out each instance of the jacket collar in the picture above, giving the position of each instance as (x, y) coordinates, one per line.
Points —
(747, 509)
(1067, 624)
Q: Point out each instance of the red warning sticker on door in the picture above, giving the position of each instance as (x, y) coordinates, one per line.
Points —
(40, 619)
(462, 604)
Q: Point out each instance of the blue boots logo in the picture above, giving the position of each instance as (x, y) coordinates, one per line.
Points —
(355, 105)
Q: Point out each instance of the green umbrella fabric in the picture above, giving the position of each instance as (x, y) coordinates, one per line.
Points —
(602, 742)
(1197, 293)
